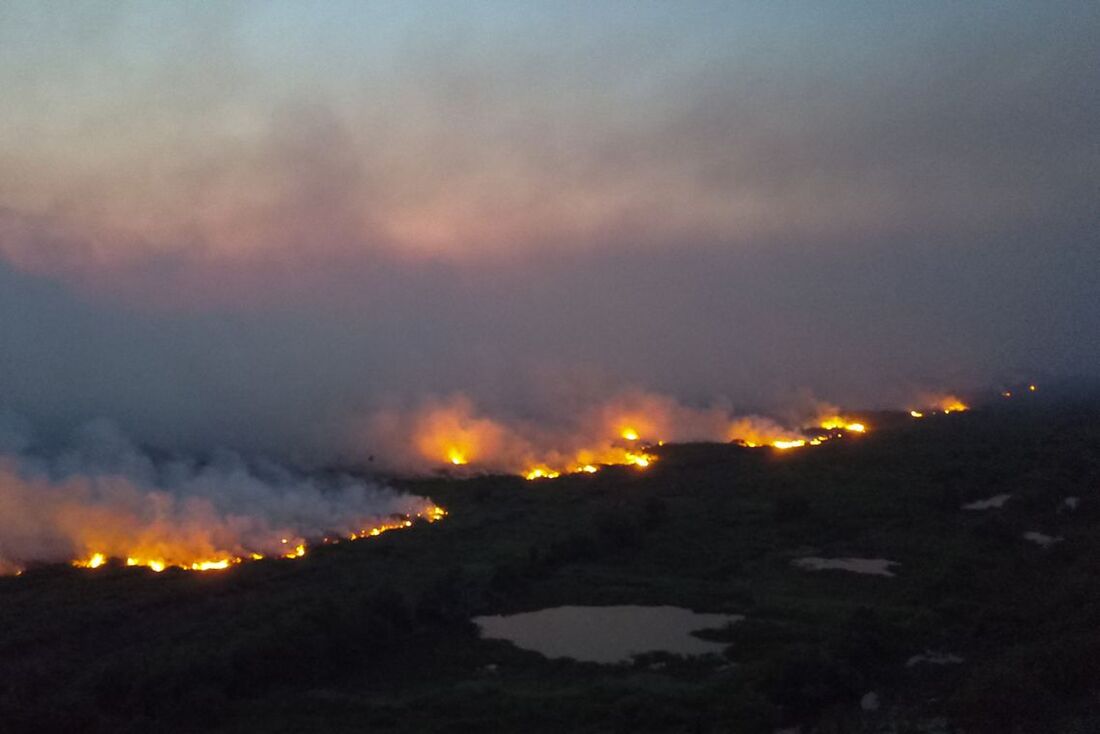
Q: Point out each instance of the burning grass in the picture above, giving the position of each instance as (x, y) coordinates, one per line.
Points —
(455, 437)
(110, 520)
(357, 638)
(101, 501)
(165, 556)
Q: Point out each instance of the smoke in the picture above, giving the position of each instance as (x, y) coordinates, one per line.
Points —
(324, 215)
(454, 433)
(100, 494)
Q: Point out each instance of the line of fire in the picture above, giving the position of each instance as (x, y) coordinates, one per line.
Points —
(628, 447)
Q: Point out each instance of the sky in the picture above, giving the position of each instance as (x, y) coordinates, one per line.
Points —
(247, 224)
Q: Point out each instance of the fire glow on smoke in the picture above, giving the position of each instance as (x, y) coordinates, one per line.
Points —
(106, 502)
(453, 434)
(100, 500)
(164, 557)
(945, 404)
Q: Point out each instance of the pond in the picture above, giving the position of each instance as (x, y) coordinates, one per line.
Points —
(871, 566)
(607, 634)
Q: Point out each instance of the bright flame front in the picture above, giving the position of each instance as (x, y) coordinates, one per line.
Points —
(296, 549)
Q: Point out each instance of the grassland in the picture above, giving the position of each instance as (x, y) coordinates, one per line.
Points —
(375, 635)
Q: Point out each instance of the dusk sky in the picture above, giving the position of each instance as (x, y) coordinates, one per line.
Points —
(243, 224)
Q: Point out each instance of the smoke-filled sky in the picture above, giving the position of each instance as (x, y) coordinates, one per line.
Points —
(252, 224)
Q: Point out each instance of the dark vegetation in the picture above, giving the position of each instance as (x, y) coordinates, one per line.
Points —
(375, 635)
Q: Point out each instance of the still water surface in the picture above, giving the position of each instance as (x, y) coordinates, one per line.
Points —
(606, 634)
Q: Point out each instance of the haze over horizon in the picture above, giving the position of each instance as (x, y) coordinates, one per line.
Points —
(251, 224)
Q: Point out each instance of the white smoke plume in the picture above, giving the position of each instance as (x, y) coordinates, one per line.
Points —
(102, 495)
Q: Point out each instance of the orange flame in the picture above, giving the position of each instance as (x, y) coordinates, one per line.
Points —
(837, 422)
(299, 550)
(952, 405)
(945, 404)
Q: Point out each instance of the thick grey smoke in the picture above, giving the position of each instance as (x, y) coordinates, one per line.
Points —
(101, 494)
(741, 203)
(759, 331)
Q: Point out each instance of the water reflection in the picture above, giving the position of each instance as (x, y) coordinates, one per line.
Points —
(606, 634)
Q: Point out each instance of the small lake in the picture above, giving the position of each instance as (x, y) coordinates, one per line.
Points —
(606, 634)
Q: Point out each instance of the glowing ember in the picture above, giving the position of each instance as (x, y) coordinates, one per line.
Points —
(916, 413)
(1032, 388)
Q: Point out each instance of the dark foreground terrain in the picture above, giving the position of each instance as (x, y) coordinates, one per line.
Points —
(375, 635)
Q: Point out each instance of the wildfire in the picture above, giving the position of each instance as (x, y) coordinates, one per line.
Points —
(617, 431)
(299, 549)
(639, 459)
(836, 422)
(946, 404)
(761, 432)
(953, 405)
(94, 561)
